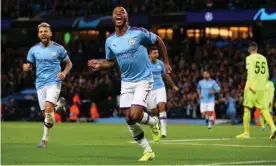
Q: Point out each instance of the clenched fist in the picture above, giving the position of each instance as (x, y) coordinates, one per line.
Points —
(61, 75)
(27, 67)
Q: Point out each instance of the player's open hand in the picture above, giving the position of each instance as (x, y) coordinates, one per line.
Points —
(168, 68)
(94, 64)
(175, 89)
(61, 75)
(27, 67)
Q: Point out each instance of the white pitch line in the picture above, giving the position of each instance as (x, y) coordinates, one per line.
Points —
(246, 162)
(99, 144)
(189, 140)
(226, 145)
(184, 142)
(199, 139)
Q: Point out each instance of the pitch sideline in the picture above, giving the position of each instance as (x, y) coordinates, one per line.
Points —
(184, 142)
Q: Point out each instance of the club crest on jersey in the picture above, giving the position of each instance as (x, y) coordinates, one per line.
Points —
(158, 67)
(131, 42)
(54, 53)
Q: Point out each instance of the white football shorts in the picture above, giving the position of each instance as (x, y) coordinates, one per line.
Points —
(207, 107)
(48, 93)
(135, 93)
(157, 96)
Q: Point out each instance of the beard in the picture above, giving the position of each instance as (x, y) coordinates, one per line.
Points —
(45, 41)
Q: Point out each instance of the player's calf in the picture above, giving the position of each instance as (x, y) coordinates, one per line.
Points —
(204, 115)
(128, 117)
(246, 123)
(138, 136)
(136, 113)
(49, 113)
(48, 123)
(210, 119)
(139, 115)
(163, 118)
(137, 132)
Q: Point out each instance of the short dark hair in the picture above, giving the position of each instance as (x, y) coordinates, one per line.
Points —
(253, 46)
(151, 48)
(44, 24)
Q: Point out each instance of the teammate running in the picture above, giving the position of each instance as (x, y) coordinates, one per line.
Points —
(47, 56)
(206, 89)
(158, 96)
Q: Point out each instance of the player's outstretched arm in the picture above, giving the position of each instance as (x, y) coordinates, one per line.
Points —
(68, 67)
(164, 53)
(170, 82)
(105, 64)
(27, 67)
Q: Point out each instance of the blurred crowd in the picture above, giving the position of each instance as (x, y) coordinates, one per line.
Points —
(12, 77)
(225, 62)
(226, 65)
(89, 91)
(68, 8)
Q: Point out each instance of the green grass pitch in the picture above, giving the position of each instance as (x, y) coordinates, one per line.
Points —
(97, 144)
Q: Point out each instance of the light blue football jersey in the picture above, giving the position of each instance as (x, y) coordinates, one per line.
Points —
(158, 69)
(205, 86)
(231, 104)
(131, 54)
(47, 61)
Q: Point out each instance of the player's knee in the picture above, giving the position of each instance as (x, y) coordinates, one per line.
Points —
(49, 107)
(154, 111)
(161, 107)
(136, 114)
(128, 117)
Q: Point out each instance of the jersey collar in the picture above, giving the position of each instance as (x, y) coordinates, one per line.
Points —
(51, 42)
(124, 33)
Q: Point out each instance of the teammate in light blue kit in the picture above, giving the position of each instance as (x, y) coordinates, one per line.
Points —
(206, 89)
(47, 56)
(127, 44)
(158, 96)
